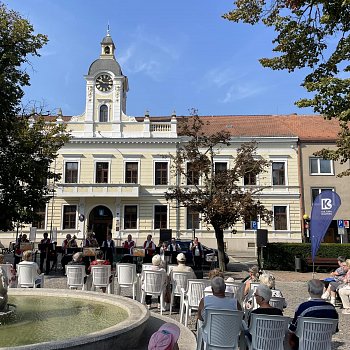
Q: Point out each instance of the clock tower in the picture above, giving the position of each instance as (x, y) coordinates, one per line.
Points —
(106, 89)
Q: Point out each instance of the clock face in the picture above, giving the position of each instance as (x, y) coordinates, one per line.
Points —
(104, 82)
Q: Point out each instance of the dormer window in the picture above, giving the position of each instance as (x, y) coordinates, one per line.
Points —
(107, 50)
(103, 114)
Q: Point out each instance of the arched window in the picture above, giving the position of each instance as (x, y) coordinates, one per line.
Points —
(107, 50)
(103, 113)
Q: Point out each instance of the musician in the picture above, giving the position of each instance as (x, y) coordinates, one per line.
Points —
(108, 247)
(173, 247)
(150, 249)
(91, 241)
(69, 242)
(129, 243)
(18, 252)
(44, 253)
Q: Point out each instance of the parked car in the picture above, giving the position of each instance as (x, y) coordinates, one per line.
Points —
(207, 252)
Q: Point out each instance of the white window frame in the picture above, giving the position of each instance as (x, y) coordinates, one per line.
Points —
(99, 158)
(319, 167)
(288, 217)
(132, 160)
(70, 158)
(279, 159)
(319, 191)
(99, 112)
(199, 179)
(251, 230)
(161, 160)
(154, 213)
(218, 160)
(76, 216)
(137, 213)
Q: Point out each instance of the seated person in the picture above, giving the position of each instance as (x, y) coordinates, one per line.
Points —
(268, 279)
(78, 260)
(181, 266)
(218, 300)
(156, 266)
(28, 260)
(100, 261)
(91, 241)
(333, 286)
(344, 291)
(314, 307)
(218, 273)
(338, 273)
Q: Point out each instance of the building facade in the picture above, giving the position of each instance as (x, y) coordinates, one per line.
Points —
(116, 168)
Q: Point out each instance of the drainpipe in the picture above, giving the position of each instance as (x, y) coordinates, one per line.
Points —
(301, 190)
(177, 202)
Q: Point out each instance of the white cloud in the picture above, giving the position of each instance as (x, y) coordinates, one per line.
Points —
(240, 92)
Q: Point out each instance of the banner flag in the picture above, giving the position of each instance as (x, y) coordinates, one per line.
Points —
(324, 208)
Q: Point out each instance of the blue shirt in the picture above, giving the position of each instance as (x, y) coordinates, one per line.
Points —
(314, 308)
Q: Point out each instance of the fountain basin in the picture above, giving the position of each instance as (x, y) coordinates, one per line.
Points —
(123, 335)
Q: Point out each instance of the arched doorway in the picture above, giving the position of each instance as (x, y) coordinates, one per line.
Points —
(100, 222)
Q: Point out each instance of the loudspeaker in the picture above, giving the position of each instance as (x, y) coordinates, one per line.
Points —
(261, 238)
(165, 234)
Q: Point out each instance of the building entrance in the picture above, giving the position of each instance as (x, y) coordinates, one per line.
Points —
(100, 222)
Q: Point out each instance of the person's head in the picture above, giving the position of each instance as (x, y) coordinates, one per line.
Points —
(99, 255)
(149, 238)
(129, 238)
(341, 260)
(218, 285)
(181, 258)
(27, 255)
(46, 235)
(195, 239)
(165, 338)
(315, 288)
(68, 236)
(262, 294)
(77, 257)
(109, 236)
(156, 260)
(346, 264)
(268, 279)
(215, 273)
(254, 271)
(173, 241)
(24, 237)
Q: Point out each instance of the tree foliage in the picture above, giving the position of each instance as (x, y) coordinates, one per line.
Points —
(27, 146)
(218, 196)
(312, 34)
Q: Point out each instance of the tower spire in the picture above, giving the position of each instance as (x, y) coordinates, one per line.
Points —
(108, 33)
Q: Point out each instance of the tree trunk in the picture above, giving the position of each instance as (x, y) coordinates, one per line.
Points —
(219, 234)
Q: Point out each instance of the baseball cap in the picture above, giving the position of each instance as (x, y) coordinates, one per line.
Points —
(165, 338)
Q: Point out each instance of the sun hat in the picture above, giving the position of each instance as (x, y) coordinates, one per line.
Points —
(230, 280)
(165, 338)
(156, 260)
(181, 257)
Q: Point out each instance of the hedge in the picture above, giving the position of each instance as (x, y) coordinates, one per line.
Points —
(281, 256)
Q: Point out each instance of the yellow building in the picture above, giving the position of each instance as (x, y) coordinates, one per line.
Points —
(116, 168)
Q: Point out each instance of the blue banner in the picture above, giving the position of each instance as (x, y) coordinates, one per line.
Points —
(324, 208)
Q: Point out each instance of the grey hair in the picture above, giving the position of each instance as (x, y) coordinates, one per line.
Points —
(268, 279)
(315, 287)
(218, 284)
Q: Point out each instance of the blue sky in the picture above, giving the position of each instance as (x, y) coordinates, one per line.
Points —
(177, 55)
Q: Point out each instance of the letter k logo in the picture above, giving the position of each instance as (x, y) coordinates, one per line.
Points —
(326, 204)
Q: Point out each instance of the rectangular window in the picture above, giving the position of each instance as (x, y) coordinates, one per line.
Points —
(160, 216)
(130, 217)
(280, 218)
(71, 173)
(161, 173)
(192, 219)
(102, 172)
(278, 173)
(39, 222)
(192, 175)
(316, 191)
(131, 172)
(320, 166)
(249, 179)
(220, 167)
(69, 217)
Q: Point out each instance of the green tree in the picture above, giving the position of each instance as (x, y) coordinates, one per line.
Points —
(217, 196)
(28, 144)
(312, 34)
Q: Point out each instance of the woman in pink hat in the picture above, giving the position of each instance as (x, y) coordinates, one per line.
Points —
(165, 338)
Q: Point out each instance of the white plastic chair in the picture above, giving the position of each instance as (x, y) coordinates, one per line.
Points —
(75, 277)
(101, 276)
(178, 281)
(315, 333)
(220, 330)
(253, 286)
(127, 277)
(278, 302)
(7, 269)
(190, 299)
(227, 294)
(153, 284)
(234, 286)
(170, 268)
(28, 277)
(267, 331)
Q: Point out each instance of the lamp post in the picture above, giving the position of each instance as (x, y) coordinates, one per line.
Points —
(306, 221)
